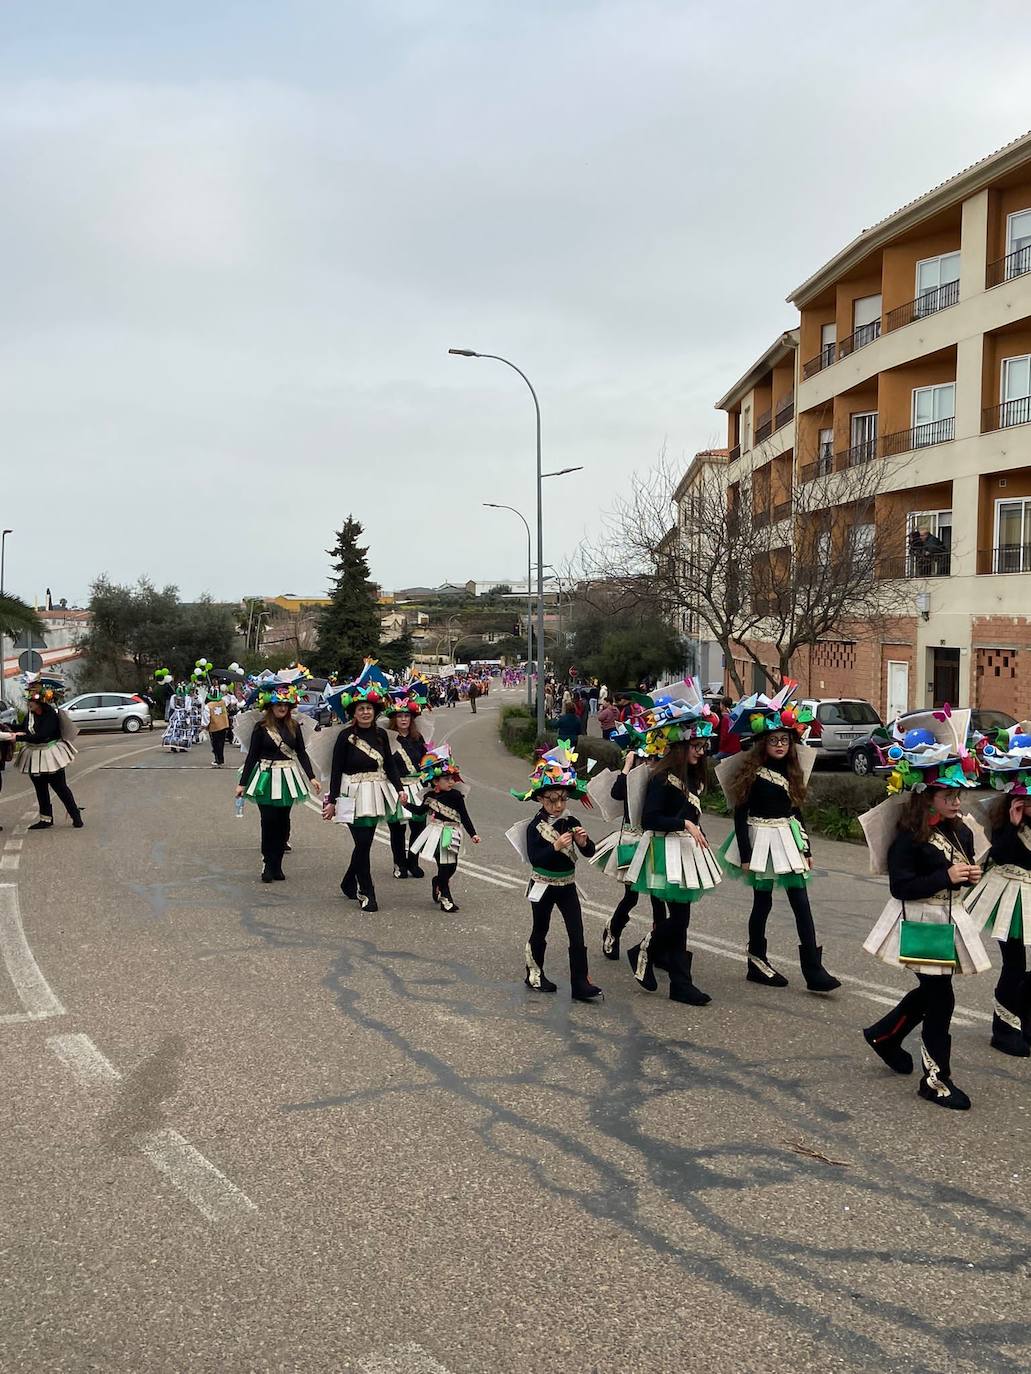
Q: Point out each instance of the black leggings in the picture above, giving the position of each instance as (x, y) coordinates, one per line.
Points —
(567, 899)
(931, 1002)
(1012, 988)
(445, 872)
(398, 847)
(44, 784)
(762, 905)
(275, 831)
(360, 867)
(620, 918)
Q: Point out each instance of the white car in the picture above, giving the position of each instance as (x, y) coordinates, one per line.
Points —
(109, 711)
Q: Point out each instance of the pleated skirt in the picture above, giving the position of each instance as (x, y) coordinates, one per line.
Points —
(999, 901)
(777, 859)
(883, 940)
(673, 868)
(47, 758)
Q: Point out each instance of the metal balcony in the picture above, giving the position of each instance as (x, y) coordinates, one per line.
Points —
(916, 565)
(1005, 558)
(929, 303)
(920, 436)
(865, 334)
(827, 354)
(1015, 412)
(785, 414)
(1016, 264)
(763, 426)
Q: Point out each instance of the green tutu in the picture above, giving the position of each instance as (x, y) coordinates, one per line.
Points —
(652, 880)
(761, 882)
(260, 789)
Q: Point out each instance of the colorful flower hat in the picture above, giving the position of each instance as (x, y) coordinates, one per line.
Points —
(278, 694)
(757, 714)
(930, 751)
(554, 769)
(1006, 759)
(344, 701)
(672, 720)
(409, 700)
(438, 763)
(43, 688)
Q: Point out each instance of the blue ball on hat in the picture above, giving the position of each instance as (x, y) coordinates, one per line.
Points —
(914, 738)
(1020, 742)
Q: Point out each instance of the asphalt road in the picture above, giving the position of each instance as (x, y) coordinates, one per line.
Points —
(252, 1128)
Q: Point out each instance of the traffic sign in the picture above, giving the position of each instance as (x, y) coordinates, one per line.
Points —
(30, 661)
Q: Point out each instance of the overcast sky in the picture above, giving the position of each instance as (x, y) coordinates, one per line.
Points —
(239, 238)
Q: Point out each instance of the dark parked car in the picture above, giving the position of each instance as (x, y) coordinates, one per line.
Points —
(987, 721)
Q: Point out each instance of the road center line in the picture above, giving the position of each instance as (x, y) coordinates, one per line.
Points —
(34, 992)
(214, 1196)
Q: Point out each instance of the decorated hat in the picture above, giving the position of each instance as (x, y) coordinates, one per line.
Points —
(554, 769)
(1006, 760)
(278, 694)
(758, 714)
(930, 751)
(438, 763)
(672, 719)
(344, 701)
(162, 675)
(407, 700)
(43, 687)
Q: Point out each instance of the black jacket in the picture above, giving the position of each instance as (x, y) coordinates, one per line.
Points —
(348, 759)
(543, 853)
(1008, 847)
(916, 871)
(410, 753)
(619, 793)
(46, 727)
(263, 747)
(666, 807)
(769, 802)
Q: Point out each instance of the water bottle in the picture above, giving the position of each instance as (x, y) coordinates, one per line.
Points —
(238, 808)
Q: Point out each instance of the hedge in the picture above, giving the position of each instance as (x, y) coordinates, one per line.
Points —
(834, 803)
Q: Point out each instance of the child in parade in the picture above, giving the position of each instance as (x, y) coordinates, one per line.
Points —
(277, 772)
(917, 837)
(47, 750)
(550, 844)
(613, 855)
(1001, 901)
(409, 748)
(446, 817)
(769, 848)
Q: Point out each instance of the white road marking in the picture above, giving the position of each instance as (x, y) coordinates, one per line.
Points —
(10, 862)
(34, 992)
(14, 844)
(401, 1359)
(214, 1196)
(79, 773)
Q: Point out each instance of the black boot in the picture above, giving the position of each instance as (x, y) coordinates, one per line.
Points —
(277, 872)
(535, 967)
(936, 1084)
(268, 874)
(682, 987)
(1025, 1008)
(44, 823)
(610, 941)
(760, 970)
(447, 902)
(400, 872)
(817, 979)
(413, 866)
(1007, 1035)
(640, 961)
(435, 890)
(76, 818)
(349, 886)
(367, 901)
(581, 987)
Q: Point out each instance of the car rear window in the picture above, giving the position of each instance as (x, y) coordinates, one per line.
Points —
(847, 713)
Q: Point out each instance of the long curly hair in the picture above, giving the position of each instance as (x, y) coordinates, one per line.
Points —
(287, 726)
(756, 758)
(675, 760)
(413, 730)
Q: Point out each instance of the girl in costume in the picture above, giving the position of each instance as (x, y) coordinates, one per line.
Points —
(769, 848)
(1001, 901)
(47, 750)
(550, 844)
(277, 772)
(409, 748)
(446, 817)
(918, 838)
(615, 852)
(673, 862)
(365, 779)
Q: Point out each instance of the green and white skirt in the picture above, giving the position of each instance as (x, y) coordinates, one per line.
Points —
(999, 901)
(366, 799)
(413, 794)
(438, 840)
(40, 759)
(615, 853)
(778, 855)
(673, 868)
(883, 940)
(277, 782)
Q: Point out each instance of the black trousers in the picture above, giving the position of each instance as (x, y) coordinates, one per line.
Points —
(399, 848)
(620, 918)
(275, 831)
(445, 872)
(1011, 990)
(567, 899)
(218, 748)
(360, 867)
(931, 1003)
(44, 784)
(762, 905)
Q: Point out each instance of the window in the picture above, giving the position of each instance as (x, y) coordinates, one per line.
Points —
(115, 701)
(86, 704)
(746, 427)
(937, 284)
(934, 414)
(866, 320)
(863, 437)
(1016, 391)
(847, 713)
(1013, 535)
(928, 543)
(828, 337)
(862, 537)
(1018, 244)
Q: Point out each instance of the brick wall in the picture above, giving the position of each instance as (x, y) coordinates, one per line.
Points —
(1001, 664)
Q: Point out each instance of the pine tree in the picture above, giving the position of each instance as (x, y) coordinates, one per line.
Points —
(349, 625)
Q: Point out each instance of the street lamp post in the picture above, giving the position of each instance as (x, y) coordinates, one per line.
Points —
(3, 560)
(494, 505)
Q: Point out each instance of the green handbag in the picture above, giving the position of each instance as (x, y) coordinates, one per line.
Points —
(927, 942)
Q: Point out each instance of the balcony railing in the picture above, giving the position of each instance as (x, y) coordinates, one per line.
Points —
(785, 414)
(920, 436)
(735, 453)
(827, 354)
(916, 565)
(763, 426)
(1005, 558)
(852, 457)
(940, 298)
(781, 510)
(1015, 412)
(821, 466)
(1016, 264)
(865, 334)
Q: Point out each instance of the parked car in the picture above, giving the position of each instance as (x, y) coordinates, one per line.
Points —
(986, 721)
(312, 704)
(838, 724)
(109, 711)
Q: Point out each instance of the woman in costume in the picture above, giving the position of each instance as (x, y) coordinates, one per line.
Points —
(365, 780)
(550, 843)
(769, 848)
(409, 748)
(1001, 901)
(46, 754)
(178, 736)
(277, 773)
(918, 838)
(673, 863)
(446, 817)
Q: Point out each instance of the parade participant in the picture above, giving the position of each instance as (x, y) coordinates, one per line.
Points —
(613, 854)
(409, 747)
(1001, 901)
(277, 773)
(769, 848)
(214, 718)
(673, 863)
(47, 750)
(917, 837)
(446, 817)
(365, 779)
(178, 736)
(550, 844)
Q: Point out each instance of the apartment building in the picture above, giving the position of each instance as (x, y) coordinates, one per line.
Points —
(913, 352)
(692, 502)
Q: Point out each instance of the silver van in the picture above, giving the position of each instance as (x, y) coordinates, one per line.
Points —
(838, 724)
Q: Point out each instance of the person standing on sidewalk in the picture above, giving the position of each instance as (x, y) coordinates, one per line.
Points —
(46, 754)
